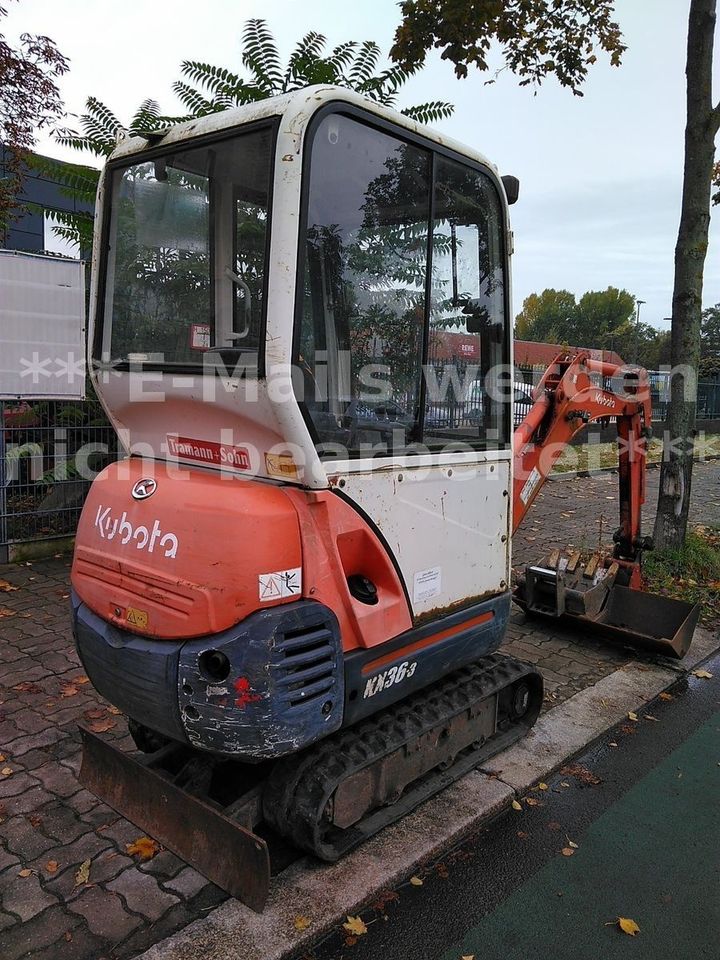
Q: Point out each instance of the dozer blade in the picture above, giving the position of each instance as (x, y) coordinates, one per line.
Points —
(226, 853)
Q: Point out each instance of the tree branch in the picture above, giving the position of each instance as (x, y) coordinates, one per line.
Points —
(715, 118)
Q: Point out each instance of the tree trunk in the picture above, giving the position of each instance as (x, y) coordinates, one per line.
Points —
(690, 251)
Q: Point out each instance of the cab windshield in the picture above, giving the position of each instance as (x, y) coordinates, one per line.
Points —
(402, 315)
(187, 255)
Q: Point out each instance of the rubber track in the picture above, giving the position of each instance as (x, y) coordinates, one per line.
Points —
(299, 787)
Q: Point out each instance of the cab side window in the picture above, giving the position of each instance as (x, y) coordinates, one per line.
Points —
(468, 396)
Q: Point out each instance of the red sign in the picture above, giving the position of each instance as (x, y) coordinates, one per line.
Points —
(450, 345)
(207, 451)
(200, 336)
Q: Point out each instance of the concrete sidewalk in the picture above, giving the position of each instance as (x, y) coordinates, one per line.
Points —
(50, 826)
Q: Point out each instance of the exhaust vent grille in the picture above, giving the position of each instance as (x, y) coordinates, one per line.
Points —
(305, 665)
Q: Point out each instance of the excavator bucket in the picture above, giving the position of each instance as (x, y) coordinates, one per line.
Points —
(649, 621)
(221, 849)
(589, 594)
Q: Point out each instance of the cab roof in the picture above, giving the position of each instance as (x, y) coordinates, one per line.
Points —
(295, 111)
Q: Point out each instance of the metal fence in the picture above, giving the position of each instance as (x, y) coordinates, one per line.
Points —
(708, 397)
(50, 451)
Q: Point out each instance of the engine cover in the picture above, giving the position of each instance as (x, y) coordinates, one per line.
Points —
(175, 552)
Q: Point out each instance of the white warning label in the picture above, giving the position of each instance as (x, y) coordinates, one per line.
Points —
(282, 583)
(427, 584)
(530, 485)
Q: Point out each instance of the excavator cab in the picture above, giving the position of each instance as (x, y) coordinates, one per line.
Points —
(271, 290)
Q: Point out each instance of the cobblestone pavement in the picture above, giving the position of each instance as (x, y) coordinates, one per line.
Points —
(50, 826)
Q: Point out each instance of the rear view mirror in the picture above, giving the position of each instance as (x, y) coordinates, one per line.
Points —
(512, 188)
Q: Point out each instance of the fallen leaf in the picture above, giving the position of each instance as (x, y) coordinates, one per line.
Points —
(6, 612)
(416, 881)
(571, 843)
(612, 744)
(649, 716)
(51, 866)
(516, 805)
(301, 923)
(385, 897)
(35, 820)
(564, 784)
(6, 771)
(532, 802)
(114, 711)
(355, 926)
(68, 936)
(580, 773)
(567, 851)
(632, 716)
(101, 726)
(95, 714)
(542, 786)
(628, 926)
(28, 687)
(144, 847)
(6, 587)
(666, 696)
(2, 757)
(522, 834)
(83, 874)
(702, 674)
(350, 941)
(25, 873)
(468, 956)
(79, 681)
(68, 690)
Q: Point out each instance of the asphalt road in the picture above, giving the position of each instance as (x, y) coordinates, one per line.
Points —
(647, 838)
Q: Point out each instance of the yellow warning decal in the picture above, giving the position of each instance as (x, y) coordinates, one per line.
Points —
(281, 465)
(138, 618)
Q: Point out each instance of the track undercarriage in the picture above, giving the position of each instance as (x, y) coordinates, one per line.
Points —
(225, 817)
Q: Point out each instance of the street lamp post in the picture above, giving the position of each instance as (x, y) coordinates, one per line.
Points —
(638, 304)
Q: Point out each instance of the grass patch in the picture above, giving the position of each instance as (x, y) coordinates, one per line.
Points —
(604, 456)
(691, 574)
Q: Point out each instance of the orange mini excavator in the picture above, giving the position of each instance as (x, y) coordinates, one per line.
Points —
(296, 582)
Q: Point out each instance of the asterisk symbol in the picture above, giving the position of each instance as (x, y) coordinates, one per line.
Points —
(71, 368)
(36, 367)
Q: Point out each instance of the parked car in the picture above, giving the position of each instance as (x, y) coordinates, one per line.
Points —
(522, 401)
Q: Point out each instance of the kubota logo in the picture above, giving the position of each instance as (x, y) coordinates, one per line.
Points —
(109, 527)
(144, 488)
(604, 401)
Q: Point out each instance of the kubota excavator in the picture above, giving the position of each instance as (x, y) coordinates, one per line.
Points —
(296, 583)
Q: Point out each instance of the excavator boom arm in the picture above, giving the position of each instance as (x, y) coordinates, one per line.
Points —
(567, 398)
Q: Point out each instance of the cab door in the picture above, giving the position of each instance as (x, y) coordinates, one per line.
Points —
(403, 341)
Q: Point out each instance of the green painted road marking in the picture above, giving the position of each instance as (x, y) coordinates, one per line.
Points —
(654, 856)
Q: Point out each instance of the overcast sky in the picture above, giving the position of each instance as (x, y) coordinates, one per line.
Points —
(600, 176)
